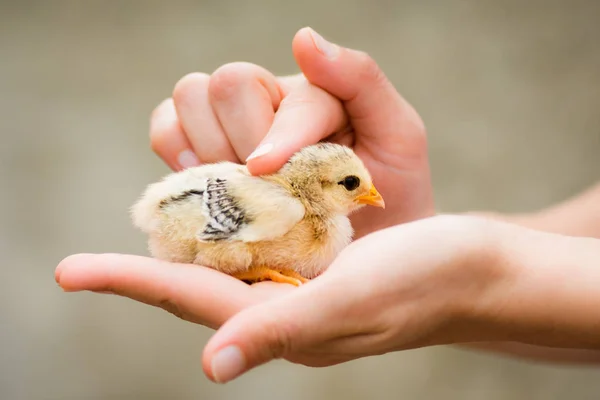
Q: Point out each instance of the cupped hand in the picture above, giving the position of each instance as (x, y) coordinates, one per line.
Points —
(413, 285)
(403, 287)
(243, 110)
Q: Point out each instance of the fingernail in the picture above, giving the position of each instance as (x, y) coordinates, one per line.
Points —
(260, 151)
(328, 49)
(187, 159)
(227, 364)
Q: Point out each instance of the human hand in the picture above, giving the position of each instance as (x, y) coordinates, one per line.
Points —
(440, 280)
(413, 285)
(191, 292)
(341, 96)
(388, 291)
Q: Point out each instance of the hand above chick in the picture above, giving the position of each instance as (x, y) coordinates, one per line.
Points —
(286, 227)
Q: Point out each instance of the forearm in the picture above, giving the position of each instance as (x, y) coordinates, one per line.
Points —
(578, 216)
(539, 353)
(550, 296)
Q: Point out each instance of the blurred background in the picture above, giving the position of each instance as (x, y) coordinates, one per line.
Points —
(509, 91)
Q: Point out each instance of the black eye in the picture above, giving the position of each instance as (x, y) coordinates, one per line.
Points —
(350, 182)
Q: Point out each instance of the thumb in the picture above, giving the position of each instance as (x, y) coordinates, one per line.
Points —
(377, 112)
(375, 108)
(265, 332)
(306, 115)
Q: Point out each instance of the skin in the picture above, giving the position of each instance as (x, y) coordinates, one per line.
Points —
(487, 284)
(346, 99)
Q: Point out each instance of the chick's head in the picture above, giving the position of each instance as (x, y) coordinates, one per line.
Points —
(331, 178)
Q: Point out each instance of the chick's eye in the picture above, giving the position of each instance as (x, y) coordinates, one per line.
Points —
(350, 182)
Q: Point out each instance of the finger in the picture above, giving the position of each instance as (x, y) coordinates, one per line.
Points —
(198, 120)
(305, 116)
(376, 110)
(244, 97)
(352, 346)
(274, 329)
(168, 140)
(344, 137)
(191, 292)
(288, 82)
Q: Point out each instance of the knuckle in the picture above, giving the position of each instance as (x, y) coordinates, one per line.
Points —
(160, 110)
(369, 70)
(74, 259)
(281, 338)
(170, 307)
(158, 139)
(189, 86)
(297, 101)
(162, 126)
(173, 308)
(174, 303)
(156, 111)
(227, 79)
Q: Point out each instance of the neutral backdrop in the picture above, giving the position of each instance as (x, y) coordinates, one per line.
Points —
(509, 91)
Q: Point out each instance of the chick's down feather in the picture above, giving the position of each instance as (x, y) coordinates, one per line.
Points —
(286, 227)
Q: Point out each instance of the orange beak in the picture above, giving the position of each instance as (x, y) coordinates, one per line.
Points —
(373, 198)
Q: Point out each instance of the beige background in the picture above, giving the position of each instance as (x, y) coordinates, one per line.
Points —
(509, 91)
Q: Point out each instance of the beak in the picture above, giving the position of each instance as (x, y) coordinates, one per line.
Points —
(373, 198)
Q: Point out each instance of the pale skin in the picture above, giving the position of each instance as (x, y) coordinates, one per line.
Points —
(527, 286)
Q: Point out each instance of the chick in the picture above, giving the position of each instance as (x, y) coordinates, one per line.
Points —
(285, 227)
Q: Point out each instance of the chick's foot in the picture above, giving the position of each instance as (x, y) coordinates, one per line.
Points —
(258, 274)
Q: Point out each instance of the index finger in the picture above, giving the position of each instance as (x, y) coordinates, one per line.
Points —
(305, 116)
(191, 292)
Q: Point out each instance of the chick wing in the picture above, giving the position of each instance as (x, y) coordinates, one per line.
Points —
(220, 202)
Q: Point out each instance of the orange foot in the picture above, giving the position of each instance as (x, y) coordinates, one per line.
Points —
(257, 274)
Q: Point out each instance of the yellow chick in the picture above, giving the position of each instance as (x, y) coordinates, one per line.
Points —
(285, 227)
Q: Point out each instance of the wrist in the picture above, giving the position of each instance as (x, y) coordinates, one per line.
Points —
(533, 220)
(486, 276)
(468, 278)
